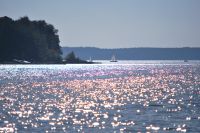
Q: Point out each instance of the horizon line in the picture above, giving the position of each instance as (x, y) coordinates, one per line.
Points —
(122, 48)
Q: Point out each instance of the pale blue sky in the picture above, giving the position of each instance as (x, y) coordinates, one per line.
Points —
(115, 23)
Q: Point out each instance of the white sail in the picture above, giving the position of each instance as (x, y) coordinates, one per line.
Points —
(113, 59)
(90, 60)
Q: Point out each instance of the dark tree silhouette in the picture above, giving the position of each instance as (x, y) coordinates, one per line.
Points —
(35, 41)
(71, 58)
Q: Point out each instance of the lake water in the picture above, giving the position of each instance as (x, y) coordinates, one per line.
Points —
(153, 96)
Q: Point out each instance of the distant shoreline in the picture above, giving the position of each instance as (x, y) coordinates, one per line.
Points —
(185, 53)
(108, 62)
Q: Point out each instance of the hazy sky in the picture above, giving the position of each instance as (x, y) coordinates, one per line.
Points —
(115, 23)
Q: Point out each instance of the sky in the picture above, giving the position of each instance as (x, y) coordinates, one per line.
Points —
(115, 23)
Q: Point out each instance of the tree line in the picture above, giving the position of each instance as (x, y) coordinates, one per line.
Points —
(34, 41)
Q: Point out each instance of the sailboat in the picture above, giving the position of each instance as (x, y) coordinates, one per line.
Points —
(113, 59)
(90, 60)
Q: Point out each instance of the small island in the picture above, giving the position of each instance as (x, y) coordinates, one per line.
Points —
(24, 41)
(72, 59)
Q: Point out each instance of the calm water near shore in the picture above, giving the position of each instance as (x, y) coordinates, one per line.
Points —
(139, 96)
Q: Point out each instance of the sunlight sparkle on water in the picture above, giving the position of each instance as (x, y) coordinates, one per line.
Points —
(89, 98)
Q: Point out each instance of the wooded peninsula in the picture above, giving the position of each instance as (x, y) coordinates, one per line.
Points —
(36, 42)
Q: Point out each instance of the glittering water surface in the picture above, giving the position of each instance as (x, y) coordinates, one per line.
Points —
(100, 98)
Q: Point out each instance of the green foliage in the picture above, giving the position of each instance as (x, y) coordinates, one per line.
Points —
(34, 41)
